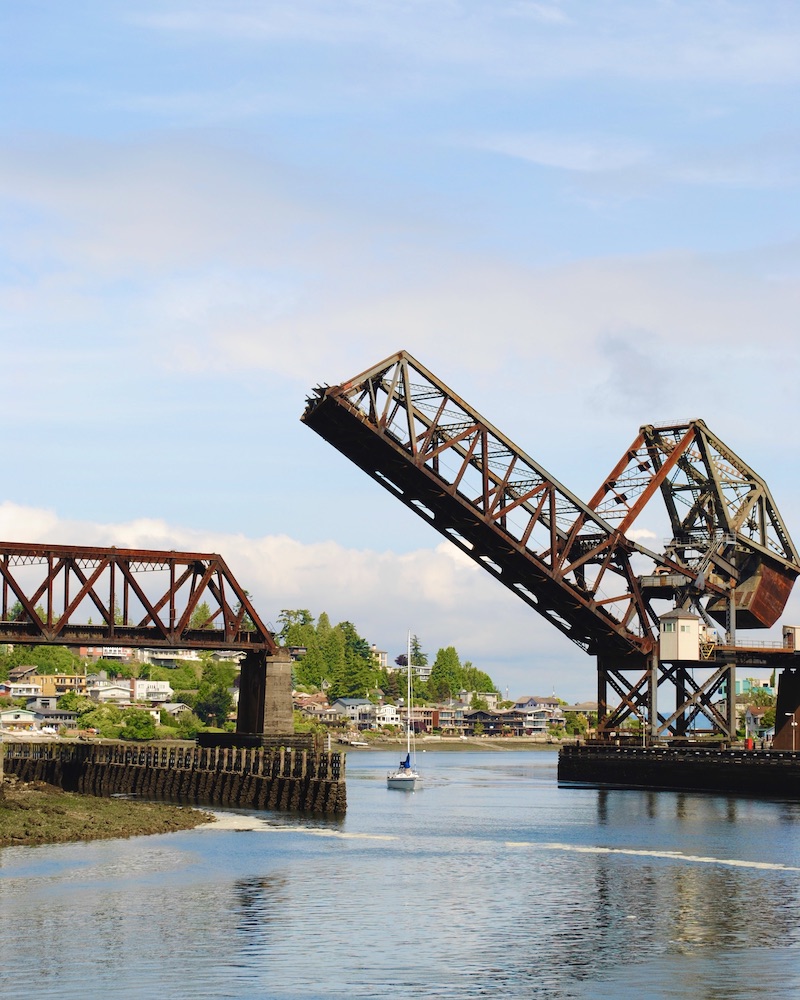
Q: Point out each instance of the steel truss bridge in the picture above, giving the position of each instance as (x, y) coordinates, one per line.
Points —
(139, 598)
(730, 560)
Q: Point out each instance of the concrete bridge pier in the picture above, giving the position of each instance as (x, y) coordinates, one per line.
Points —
(265, 694)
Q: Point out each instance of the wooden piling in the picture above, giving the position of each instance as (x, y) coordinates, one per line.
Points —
(272, 777)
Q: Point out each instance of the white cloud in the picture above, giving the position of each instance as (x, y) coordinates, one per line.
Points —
(439, 593)
(257, 279)
(26, 524)
(730, 41)
(583, 154)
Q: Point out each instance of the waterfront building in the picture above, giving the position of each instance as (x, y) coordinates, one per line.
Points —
(152, 691)
(59, 684)
(20, 689)
(17, 720)
(359, 711)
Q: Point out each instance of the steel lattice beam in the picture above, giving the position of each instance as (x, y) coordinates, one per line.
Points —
(51, 594)
(730, 559)
(412, 434)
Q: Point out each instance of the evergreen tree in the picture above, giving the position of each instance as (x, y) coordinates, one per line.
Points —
(295, 627)
(418, 658)
(310, 670)
(446, 675)
(213, 703)
(201, 617)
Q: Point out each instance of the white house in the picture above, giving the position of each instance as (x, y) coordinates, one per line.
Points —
(144, 690)
(536, 701)
(114, 694)
(386, 715)
(169, 657)
(20, 689)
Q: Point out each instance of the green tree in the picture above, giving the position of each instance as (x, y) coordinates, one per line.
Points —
(295, 627)
(217, 672)
(475, 680)
(139, 725)
(248, 625)
(311, 668)
(213, 703)
(17, 613)
(47, 659)
(201, 617)
(188, 725)
(114, 668)
(761, 697)
(575, 723)
(72, 702)
(106, 719)
(389, 681)
(446, 675)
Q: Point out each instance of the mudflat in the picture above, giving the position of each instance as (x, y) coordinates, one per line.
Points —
(37, 813)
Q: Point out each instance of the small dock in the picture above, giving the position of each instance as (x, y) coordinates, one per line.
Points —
(759, 773)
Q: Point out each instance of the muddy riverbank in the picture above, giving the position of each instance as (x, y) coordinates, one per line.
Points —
(37, 813)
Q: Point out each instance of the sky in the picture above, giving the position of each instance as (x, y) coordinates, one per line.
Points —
(581, 215)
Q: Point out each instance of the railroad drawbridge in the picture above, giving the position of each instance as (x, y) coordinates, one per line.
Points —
(85, 596)
(729, 565)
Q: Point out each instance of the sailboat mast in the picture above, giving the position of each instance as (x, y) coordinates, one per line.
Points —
(408, 696)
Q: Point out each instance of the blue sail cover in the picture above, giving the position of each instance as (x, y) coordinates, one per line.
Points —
(406, 762)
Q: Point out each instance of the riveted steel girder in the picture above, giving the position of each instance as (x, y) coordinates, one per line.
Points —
(440, 457)
(77, 595)
(730, 559)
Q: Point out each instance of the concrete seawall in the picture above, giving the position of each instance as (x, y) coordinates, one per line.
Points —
(253, 778)
(762, 773)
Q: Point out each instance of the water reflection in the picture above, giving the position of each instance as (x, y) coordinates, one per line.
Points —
(490, 883)
(259, 901)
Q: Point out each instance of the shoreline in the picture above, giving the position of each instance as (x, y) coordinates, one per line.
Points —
(35, 814)
(456, 744)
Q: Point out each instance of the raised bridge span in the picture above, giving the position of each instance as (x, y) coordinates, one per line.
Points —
(730, 562)
(142, 598)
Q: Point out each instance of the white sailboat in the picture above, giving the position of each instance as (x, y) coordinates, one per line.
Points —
(406, 775)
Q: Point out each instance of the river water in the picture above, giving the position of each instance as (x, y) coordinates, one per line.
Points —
(489, 882)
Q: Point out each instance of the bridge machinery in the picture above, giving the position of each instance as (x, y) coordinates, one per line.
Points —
(143, 598)
(730, 563)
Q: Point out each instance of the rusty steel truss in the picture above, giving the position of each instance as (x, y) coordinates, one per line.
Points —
(76, 596)
(730, 558)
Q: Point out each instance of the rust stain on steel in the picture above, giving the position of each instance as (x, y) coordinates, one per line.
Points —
(51, 594)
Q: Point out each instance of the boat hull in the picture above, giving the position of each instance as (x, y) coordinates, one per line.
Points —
(404, 781)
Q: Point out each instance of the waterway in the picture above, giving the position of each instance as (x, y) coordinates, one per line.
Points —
(488, 882)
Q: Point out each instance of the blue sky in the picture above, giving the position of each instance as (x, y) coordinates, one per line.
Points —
(582, 216)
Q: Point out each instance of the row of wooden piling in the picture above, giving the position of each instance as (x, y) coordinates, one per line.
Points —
(252, 778)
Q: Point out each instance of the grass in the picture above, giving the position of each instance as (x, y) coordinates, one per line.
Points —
(37, 813)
